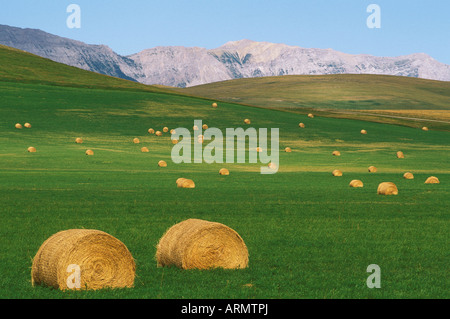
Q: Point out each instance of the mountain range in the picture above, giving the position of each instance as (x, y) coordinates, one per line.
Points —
(179, 66)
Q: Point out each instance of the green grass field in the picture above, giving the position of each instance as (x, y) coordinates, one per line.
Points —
(309, 234)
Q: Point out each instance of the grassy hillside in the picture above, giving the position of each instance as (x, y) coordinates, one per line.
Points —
(333, 95)
(309, 234)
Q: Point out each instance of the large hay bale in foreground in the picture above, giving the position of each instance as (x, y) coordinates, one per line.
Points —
(31, 149)
(145, 149)
(400, 154)
(337, 172)
(302, 125)
(90, 152)
(432, 180)
(224, 171)
(162, 164)
(336, 153)
(408, 175)
(185, 183)
(201, 244)
(387, 188)
(356, 183)
(363, 132)
(372, 169)
(103, 261)
(18, 125)
(79, 140)
(27, 125)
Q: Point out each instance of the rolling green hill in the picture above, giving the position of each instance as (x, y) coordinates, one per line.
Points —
(343, 95)
(309, 235)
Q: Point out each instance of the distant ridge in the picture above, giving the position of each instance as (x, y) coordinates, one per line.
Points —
(178, 66)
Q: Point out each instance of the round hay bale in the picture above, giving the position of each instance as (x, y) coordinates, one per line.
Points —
(400, 154)
(136, 141)
(200, 139)
(205, 127)
(310, 115)
(145, 149)
(224, 171)
(408, 175)
(288, 150)
(356, 183)
(158, 133)
(185, 183)
(272, 166)
(336, 153)
(337, 172)
(151, 131)
(432, 180)
(387, 188)
(172, 131)
(424, 128)
(259, 149)
(162, 164)
(363, 132)
(18, 125)
(301, 125)
(165, 129)
(89, 152)
(214, 105)
(200, 244)
(247, 121)
(195, 128)
(174, 141)
(79, 140)
(31, 149)
(27, 125)
(372, 169)
(103, 261)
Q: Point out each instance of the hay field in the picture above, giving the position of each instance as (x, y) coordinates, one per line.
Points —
(308, 234)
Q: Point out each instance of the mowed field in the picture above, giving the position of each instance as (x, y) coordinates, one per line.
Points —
(309, 235)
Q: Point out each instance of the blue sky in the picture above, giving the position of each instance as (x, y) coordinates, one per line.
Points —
(131, 26)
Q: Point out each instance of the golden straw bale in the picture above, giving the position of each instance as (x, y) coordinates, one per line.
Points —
(363, 132)
(337, 172)
(172, 131)
(224, 171)
(432, 180)
(310, 115)
(387, 188)
(158, 133)
(372, 169)
(301, 125)
(103, 261)
(288, 150)
(205, 127)
(400, 154)
(144, 149)
(424, 128)
(185, 183)
(336, 153)
(18, 125)
(408, 175)
(162, 164)
(27, 125)
(201, 244)
(89, 152)
(247, 121)
(79, 140)
(151, 131)
(356, 183)
(174, 141)
(165, 129)
(214, 105)
(195, 128)
(272, 166)
(32, 149)
(136, 141)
